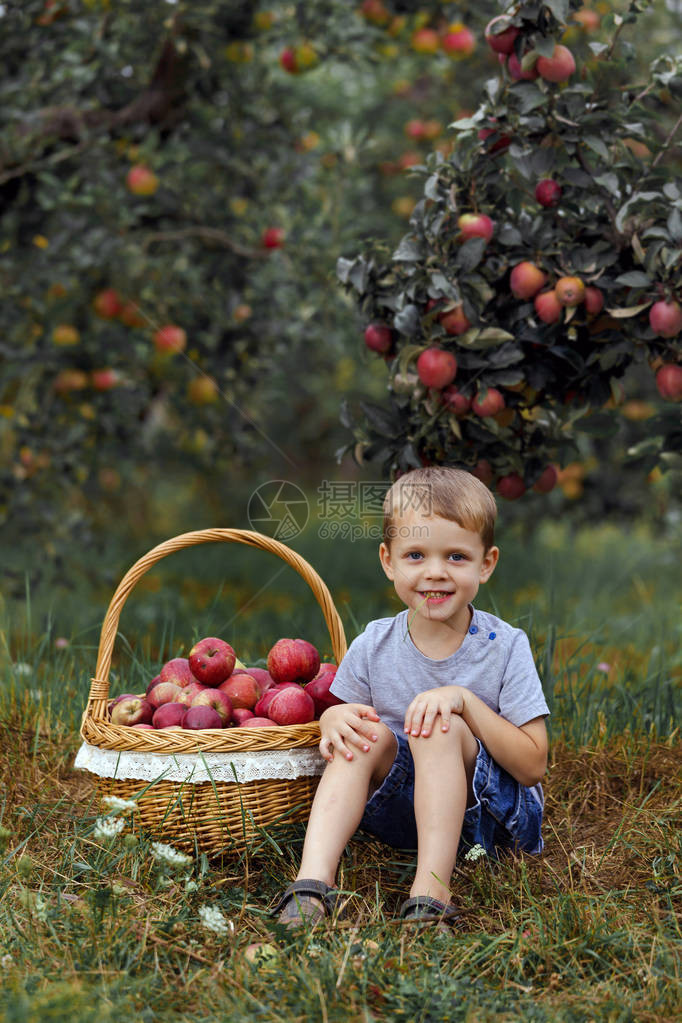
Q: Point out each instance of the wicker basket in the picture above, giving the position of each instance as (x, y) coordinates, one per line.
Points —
(211, 815)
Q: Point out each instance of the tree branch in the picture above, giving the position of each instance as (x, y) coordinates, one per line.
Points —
(208, 234)
(667, 141)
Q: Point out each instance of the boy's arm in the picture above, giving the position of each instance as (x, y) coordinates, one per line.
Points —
(522, 751)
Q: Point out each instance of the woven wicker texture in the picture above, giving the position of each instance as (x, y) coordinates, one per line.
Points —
(214, 815)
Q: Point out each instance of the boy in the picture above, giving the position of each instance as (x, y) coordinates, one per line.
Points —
(440, 739)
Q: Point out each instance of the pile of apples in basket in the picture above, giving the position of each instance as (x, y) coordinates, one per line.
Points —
(212, 689)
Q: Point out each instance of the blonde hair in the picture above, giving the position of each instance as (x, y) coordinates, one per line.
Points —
(452, 494)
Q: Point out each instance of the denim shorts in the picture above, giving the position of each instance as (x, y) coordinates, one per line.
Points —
(505, 815)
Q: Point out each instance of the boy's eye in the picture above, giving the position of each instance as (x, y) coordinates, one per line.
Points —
(457, 557)
(413, 555)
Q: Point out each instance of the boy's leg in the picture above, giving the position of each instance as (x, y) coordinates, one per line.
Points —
(340, 803)
(444, 765)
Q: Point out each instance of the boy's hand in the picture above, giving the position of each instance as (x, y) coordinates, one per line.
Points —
(347, 722)
(426, 707)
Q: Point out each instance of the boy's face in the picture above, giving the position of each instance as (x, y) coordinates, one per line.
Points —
(436, 567)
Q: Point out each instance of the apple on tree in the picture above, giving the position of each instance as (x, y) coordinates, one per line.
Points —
(436, 367)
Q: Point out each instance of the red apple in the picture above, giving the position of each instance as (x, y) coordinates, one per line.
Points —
(559, 67)
(218, 700)
(189, 692)
(569, 291)
(454, 321)
(240, 715)
(273, 238)
(292, 707)
(500, 35)
(503, 141)
(132, 711)
(141, 181)
(170, 339)
(458, 41)
(154, 682)
(483, 471)
(511, 486)
(104, 379)
(526, 279)
(548, 192)
(107, 304)
(517, 72)
(425, 40)
(169, 715)
(456, 402)
(242, 690)
(378, 337)
(473, 225)
(415, 129)
(490, 405)
(665, 318)
(669, 381)
(262, 677)
(211, 660)
(325, 667)
(177, 671)
(164, 692)
(123, 696)
(548, 307)
(594, 301)
(199, 717)
(261, 707)
(436, 367)
(318, 689)
(293, 660)
(259, 722)
(287, 59)
(546, 481)
(143, 726)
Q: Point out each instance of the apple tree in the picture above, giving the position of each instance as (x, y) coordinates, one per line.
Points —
(541, 272)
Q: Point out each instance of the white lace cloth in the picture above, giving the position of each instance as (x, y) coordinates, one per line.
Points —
(200, 767)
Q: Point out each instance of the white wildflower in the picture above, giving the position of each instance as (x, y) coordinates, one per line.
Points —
(475, 853)
(191, 886)
(170, 856)
(108, 827)
(213, 919)
(119, 804)
(21, 668)
(6, 961)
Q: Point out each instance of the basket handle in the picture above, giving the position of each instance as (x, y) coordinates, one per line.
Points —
(99, 685)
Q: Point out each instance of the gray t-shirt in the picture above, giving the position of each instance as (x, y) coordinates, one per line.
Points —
(383, 668)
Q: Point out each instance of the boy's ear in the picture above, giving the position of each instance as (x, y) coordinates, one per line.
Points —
(385, 559)
(490, 559)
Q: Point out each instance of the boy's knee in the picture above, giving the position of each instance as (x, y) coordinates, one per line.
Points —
(458, 735)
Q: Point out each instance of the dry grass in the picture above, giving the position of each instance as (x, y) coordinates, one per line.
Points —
(595, 919)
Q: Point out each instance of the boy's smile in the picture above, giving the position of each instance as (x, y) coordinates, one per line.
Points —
(436, 567)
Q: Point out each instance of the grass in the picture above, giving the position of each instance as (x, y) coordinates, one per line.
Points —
(96, 928)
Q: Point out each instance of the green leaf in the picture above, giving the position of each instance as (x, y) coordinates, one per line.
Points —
(610, 182)
(559, 9)
(530, 97)
(634, 279)
(471, 253)
(380, 419)
(544, 45)
(409, 250)
(444, 286)
(407, 354)
(489, 337)
(597, 146)
(634, 310)
(407, 320)
(675, 225)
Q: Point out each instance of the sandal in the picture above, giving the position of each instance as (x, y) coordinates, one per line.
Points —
(305, 902)
(422, 909)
